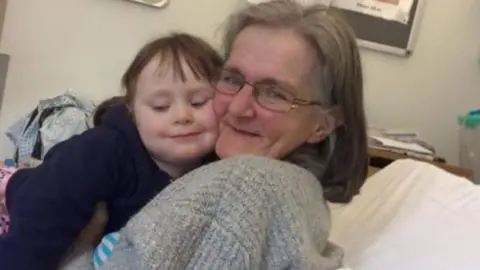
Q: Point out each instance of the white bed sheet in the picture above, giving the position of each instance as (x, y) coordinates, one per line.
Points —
(411, 215)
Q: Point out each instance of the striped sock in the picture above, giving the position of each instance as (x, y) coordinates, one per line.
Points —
(104, 249)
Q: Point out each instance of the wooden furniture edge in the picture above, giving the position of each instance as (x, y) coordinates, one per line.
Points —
(462, 172)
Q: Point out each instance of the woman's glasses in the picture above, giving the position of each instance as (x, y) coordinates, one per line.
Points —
(268, 95)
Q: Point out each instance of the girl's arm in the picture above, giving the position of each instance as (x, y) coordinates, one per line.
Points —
(57, 199)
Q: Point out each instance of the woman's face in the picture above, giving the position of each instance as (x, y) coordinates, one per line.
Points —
(275, 55)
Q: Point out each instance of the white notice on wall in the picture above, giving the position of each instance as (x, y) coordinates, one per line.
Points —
(393, 10)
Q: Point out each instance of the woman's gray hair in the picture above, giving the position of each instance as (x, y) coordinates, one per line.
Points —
(341, 161)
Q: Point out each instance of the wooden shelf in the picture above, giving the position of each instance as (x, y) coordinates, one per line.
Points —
(389, 157)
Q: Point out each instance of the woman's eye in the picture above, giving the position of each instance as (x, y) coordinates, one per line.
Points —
(231, 79)
(273, 93)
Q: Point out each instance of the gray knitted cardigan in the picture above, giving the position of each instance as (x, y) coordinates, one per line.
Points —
(238, 213)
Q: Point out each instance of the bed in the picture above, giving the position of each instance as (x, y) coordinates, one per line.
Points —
(411, 215)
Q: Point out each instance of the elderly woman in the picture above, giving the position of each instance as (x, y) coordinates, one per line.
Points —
(289, 99)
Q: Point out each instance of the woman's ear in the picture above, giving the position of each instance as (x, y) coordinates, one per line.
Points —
(337, 116)
(328, 121)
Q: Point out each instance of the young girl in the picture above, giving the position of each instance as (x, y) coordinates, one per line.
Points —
(162, 128)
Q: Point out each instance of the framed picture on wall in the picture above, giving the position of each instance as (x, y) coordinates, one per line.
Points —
(152, 3)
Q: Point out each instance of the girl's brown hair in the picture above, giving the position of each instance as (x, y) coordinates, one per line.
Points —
(202, 59)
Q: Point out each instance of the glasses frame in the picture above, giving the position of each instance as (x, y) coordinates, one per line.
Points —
(294, 103)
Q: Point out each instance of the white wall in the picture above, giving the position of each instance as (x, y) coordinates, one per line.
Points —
(441, 80)
(86, 45)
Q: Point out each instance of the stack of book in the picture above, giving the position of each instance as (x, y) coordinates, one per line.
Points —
(404, 143)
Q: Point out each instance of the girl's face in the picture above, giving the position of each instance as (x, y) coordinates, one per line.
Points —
(175, 118)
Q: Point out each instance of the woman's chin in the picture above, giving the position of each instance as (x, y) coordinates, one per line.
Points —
(226, 150)
(231, 143)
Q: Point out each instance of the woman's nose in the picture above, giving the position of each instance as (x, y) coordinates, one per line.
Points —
(242, 104)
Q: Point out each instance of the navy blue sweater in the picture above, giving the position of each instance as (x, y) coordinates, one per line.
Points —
(49, 205)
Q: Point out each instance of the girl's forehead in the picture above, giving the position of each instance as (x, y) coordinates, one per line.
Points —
(164, 67)
(160, 80)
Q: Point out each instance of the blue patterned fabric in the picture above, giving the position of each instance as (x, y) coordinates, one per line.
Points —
(104, 249)
(73, 115)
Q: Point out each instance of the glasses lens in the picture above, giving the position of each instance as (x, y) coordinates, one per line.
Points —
(228, 82)
(274, 98)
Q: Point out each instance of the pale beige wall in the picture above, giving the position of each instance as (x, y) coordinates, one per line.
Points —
(3, 7)
(86, 45)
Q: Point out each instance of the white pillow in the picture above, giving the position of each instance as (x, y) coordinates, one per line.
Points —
(411, 215)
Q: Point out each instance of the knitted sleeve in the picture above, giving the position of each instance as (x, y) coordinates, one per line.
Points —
(240, 213)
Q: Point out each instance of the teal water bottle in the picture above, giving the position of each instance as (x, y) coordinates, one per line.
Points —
(469, 136)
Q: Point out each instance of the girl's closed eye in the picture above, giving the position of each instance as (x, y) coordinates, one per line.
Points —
(160, 108)
(199, 101)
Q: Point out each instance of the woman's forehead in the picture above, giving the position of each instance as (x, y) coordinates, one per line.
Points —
(263, 53)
